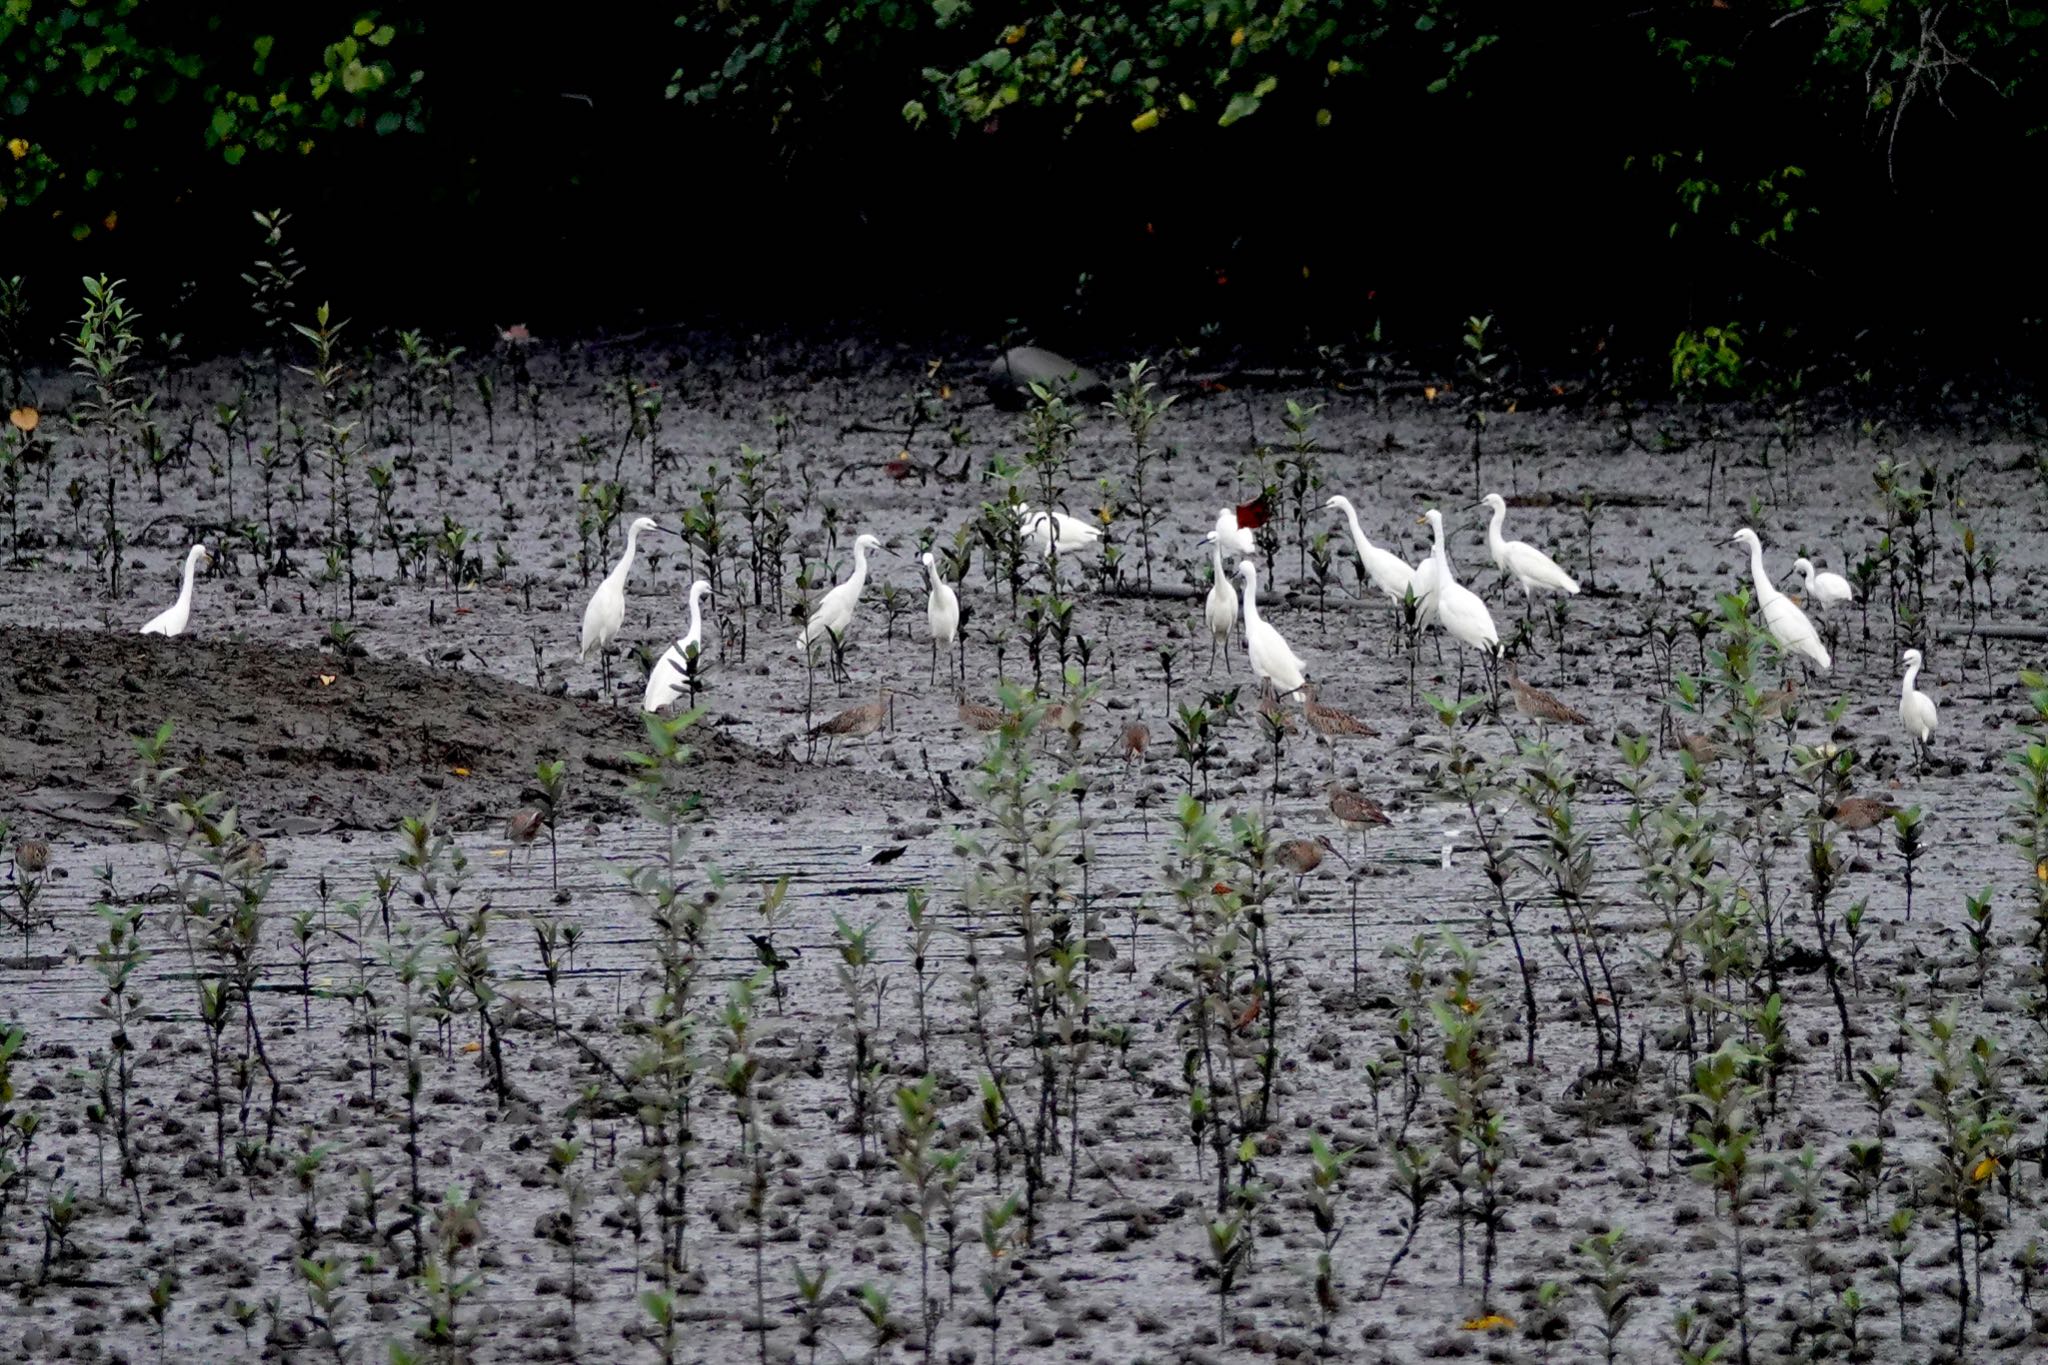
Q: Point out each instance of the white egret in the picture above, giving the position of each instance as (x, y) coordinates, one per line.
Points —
(173, 619)
(835, 608)
(1823, 589)
(1429, 575)
(671, 676)
(1520, 560)
(1916, 708)
(1782, 617)
(1231, 536)
(1387, 571)
(1220, 610)
(607, 609)
(1271, 659)
(1456, 608)
(1052, 531)
(942, 612)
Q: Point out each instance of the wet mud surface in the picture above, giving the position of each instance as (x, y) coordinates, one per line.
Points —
(1121, 1270)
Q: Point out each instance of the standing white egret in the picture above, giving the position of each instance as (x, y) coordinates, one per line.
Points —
(1056, 531)
(1271, 659)
(1520, 560)
(1220, 610)
(1430, 574)
(173, 619)
(835, 608)
(607, 609)
(1916, 708)
(671, 676)
(942, 612)
(1782, 617)
(1823, 589)
(1231, 536)
(1458, 611)
(1387, 571)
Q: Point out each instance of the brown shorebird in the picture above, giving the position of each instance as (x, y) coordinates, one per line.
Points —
(855, 722)
(1704, 751)
(975, 716)
(1130, 745)
(1333, 722)
(1354, 810)
(523, 826)
(1541, 707)
(1854, 814)
(1272, 710)
(32, 857)
(1771, 705)
(1303, 856)
(248, 857)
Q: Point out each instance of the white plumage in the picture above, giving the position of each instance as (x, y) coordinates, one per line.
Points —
(1056, 530)
(835, 608)
(1782, 617)
(607, 609)
(1271, 659)
(1824, 589)
(1220, 609)
(1522, 561)
(1386, 570)
(1239, 540)
(671, 676)
(1916, 708)
(1457, 609)
(941, 612)
(173, 619)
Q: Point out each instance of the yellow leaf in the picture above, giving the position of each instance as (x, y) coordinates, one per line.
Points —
(1237, 38)
(1984, 1169)
(1014, 35)
(326, 679)
(460, 772)
(1492, 1322)
(945, 392)
(472, 1047)
(1429, 392)
(1469, 1006)
(1334, 67)
(18, 146)
(24, 419)
(1080, 65)
(1322, 118)
(1146, 121)
(111, 221)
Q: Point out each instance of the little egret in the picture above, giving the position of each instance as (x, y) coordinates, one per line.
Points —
(1520, 560)
(607, 609)
(1387, 571)
(1220, 610)
(1430, 574)
(1233, 537)
(1271, 659)
(1782, 617)
(173, 619)
(835, 608)
(1916, 708)
(1458, 610)
(1051, 531)
(1823, 589)
(942, 612)
(671, 676)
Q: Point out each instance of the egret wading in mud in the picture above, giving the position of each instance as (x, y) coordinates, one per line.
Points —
(1916, 709)
(1055, 531)
(1782, 617)
(1457, 610)
(942, 614)
(607, 609)
(672, 671)
(1271, 659)
(835, 609)
(1219, 609)
(1822, 588)
(1384, 569)
(173, 619)
(1521, 561)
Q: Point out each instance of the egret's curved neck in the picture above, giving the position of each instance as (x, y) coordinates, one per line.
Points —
(1251, 595)
(1357, 531)
(1757, 570)
(185, 589)
(625, 564)
(696, 613)
(860, 563)
(1216, 558)
(1436, 549)
(1493, 536)
(1912, 676)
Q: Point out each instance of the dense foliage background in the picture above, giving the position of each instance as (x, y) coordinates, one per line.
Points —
(1159, 164)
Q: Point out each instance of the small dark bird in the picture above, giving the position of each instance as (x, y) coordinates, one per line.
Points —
(855, 722)
(1333, 722)
(32, 856)
(1303, 856)
(1858, 813)
(1130, 745)
(1541, 707)
(884, 856)
(1354, 810)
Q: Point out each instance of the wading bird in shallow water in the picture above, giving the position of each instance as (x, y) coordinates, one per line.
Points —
(1303, 856)
(1782, 617)
(1354, 810)
(1272, 661)
(835, 609)
(941, 613)
(173, 619)
(1457, 610)
(1521, 561)
(1219, 610)
(671, 676)
(607, 609)
(1916, 708)
(1541, 707)
(855, 722)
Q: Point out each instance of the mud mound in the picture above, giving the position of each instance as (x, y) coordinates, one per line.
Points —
(300, 741)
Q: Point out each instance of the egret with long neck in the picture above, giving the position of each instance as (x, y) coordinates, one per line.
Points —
(607, 609)
(1219, 611)
(835, 609)
(674, 670)
(173, 619)
(1782, 617)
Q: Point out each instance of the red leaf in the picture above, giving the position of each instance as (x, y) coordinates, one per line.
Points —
(1254, 514)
